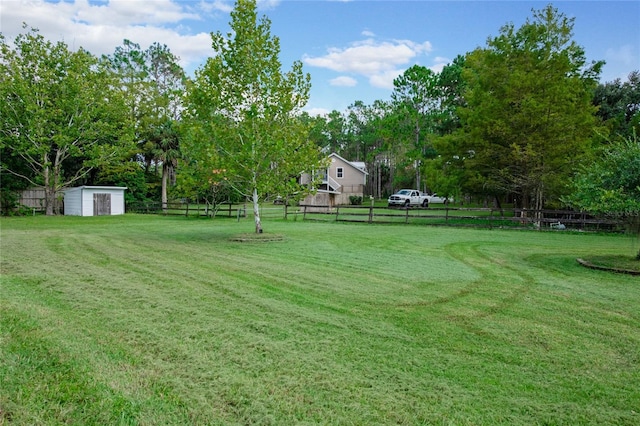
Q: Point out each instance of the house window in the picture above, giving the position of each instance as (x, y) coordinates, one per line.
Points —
(339, 172)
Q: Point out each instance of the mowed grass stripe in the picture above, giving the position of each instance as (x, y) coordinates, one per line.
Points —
(166, 321)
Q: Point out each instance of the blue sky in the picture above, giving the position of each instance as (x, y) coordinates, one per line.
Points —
(352, 49)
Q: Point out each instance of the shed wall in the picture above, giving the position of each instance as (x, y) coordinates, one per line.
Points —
(79, 201)
(73, 202)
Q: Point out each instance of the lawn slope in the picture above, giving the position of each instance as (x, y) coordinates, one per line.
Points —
(159, 320)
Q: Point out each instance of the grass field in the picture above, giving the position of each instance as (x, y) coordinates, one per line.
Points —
(153, 320)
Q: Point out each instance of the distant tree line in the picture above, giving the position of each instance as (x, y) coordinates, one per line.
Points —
(521, 121)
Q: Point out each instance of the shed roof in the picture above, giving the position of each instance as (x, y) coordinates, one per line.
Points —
(95, 187)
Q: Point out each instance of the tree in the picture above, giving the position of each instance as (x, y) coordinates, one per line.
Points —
(529, 116)
(611, 184)
(245, 109)
(417, 99)
(153, 83)
(619, 105)
(60, 112)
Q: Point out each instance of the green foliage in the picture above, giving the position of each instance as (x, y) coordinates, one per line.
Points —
(416, 101)
(355, 200)
(611, 184)
(529, 117)
(244, 110)
(153, 83)
(128, 174)
(60, 112)
(619, 105)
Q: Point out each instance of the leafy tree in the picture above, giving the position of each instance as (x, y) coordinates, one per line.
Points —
(450, 89)
(416, 97)
(528, 117)
(246, 107)
(611, 184)
(619, 105)
(60, 112)
(153, 83)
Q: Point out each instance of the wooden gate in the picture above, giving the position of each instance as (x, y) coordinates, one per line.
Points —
(101, 204)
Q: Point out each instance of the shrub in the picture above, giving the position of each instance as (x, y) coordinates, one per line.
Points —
(355, 200)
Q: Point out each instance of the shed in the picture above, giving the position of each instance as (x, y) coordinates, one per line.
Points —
(94, 201)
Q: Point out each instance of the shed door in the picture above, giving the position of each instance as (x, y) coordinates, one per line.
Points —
(101, 204)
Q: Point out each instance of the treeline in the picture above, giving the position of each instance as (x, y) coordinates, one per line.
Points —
(515, 121)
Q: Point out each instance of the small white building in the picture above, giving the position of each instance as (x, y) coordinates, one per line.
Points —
(94, 201)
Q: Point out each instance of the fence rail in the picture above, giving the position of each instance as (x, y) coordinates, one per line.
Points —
(459, 216)
(438, 216)
(224, 210)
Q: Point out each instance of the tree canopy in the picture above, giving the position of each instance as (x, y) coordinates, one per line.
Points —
(246, 110)
(60, 112)
(528, 116)
(610, 185)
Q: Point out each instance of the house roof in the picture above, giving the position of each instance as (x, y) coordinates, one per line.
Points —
(358, 165)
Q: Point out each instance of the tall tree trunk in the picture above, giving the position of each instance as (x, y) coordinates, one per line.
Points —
(165, 177)
(539, 204)
(256, 211)
(49, 194)
(49, 199)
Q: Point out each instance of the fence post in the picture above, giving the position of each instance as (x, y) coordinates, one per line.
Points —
(304, 214)
(491, 218)
(370, 214)
(337, 212)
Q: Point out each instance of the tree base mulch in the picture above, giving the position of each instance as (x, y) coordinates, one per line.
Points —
(257, 238)
(606, 268)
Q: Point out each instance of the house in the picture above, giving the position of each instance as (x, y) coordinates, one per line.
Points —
(94, 200)
(341, 180)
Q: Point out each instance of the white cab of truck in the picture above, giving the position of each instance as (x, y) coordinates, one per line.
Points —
(408, 198)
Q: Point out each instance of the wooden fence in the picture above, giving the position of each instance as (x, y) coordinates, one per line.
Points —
(226, 210)
(34, 199)
(437, 216)
(459, 216)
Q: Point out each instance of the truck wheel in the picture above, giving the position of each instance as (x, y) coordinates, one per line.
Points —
(406, 204)
(425, 203)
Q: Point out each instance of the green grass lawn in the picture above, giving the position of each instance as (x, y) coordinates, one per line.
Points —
(155, 320)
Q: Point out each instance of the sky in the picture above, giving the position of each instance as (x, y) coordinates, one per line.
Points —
(353, 49)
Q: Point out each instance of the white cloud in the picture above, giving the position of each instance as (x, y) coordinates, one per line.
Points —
(369, 57)
(343, 81)
(121, 13)
(100, 28)
(368, 33)
(267, 4)
(385, 80)
(623, 54)
(215, 5)
(380, 62)
(439, 63)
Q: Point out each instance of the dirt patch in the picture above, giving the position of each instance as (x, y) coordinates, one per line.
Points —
(257, 238)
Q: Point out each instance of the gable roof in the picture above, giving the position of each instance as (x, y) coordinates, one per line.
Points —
(357, 165)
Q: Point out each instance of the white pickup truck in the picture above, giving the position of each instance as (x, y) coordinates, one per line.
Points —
(408, 198)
